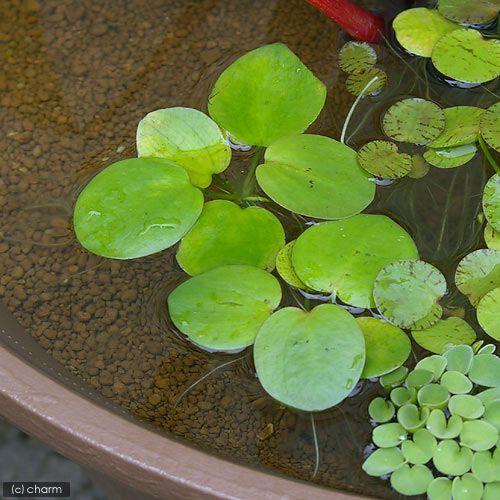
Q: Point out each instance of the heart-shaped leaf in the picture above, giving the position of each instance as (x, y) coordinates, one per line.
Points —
(418, 378)
(226, 234)
(136, 207)
(389, 435)
(443, 334)
(403, 395)
(459, 358)
(466, 406)
(442, 428)
(412, 417)
(433, 396)
(452, 459)
(409, 480)
(383, 461)
(382, 158)
(491, 201)
(310, 360)
(439, 489)
(344, 257)
(466, 56)
(434, 363)
(478, 435)
(485, 370)
(265, 95)
(186, 137)
(405, 291)
(285, 268)
(490, 126)
(467, 487)
(315, 176)
(414, 120)
(417, 30)
(394, 378)
(420, 449)
(387, 347)
(381, 410)
(491, 491)
(224, 308)
(456, 382)
(486, 465)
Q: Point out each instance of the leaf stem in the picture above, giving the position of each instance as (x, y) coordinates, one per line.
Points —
(249, 182)
(488, 155)
(353, 107)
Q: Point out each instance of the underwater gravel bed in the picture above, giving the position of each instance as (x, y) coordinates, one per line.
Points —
(73, 92)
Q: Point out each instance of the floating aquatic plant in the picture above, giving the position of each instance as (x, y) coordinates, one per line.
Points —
(368, 82)
(382, 158)
(491, 201)
(488, 313)
(285, 268)
(357, 57)
(479, 12)
(490, 126)
(443, 425)
(450, 157)
(414, 120)
(491, 237)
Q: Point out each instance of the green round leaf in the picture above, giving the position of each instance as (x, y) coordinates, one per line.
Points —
(405, 291)
(485, 370)
(442, 428)
(450, 157)
(487, 349)
(418, 378)
(310, 360)
(186, 137)
(467, 487)
(461, 128)
(478, 435)
(491, 491)
(357, 57)
(492, 414)
(489, 395)
(452, 459)
(412, 417)
(434, 363)
(491, 201)
(383, 461)
(433, 396)
(459, 358)
(478, 273)
(344, 257)
(409, 480)
(381, 410)
(443, 334)
(368, 82)
(466, 56)
(285, 268)
(456, 382)
(486, 465)
(136, 207)
(466, 406)
(414, 120)
(417, 30)
(488, 313)
(401, 396)
(387, 347)
(490, 126)
(467, 12)
(224, 308)
(394, 378)
(315, 176)
(389, 435)
(420, 449)
(265, 95)
(382, 158)
(492, 237)
(439, 489)
(228, 234)
(419, 167)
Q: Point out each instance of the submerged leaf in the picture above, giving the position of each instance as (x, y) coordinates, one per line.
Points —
(357, 83)
(462, 127)
(417, 30)
(228, 234)
(382, 158)
(315, 176)
(187, 137)
(490, 126)
(405, 291)
(466, 56)
(224, 308)
(265, 95)
(491, 201)
(443, 334)
(450, 157)
(478, 273)
(414, 120)
(419, 167)
(344, 257)
(469, 13)
(136, 207)
(387, 347)
(309, 360)
(488, 313)
(357, 57)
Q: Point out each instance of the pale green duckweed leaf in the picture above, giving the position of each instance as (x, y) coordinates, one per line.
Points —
(467, 487)
(394, 378)
(444, 428)
(433, 396)
(383, 461)
(459, 358)
(434, 363)
(381, 410)
(389, 435)
(411, 417)
(420, 448)
(466, 406)
(452, 459)
(486, 465)
(409, 480)
(478, 435)
(456, 382)
(439, 489)
(485, 370)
